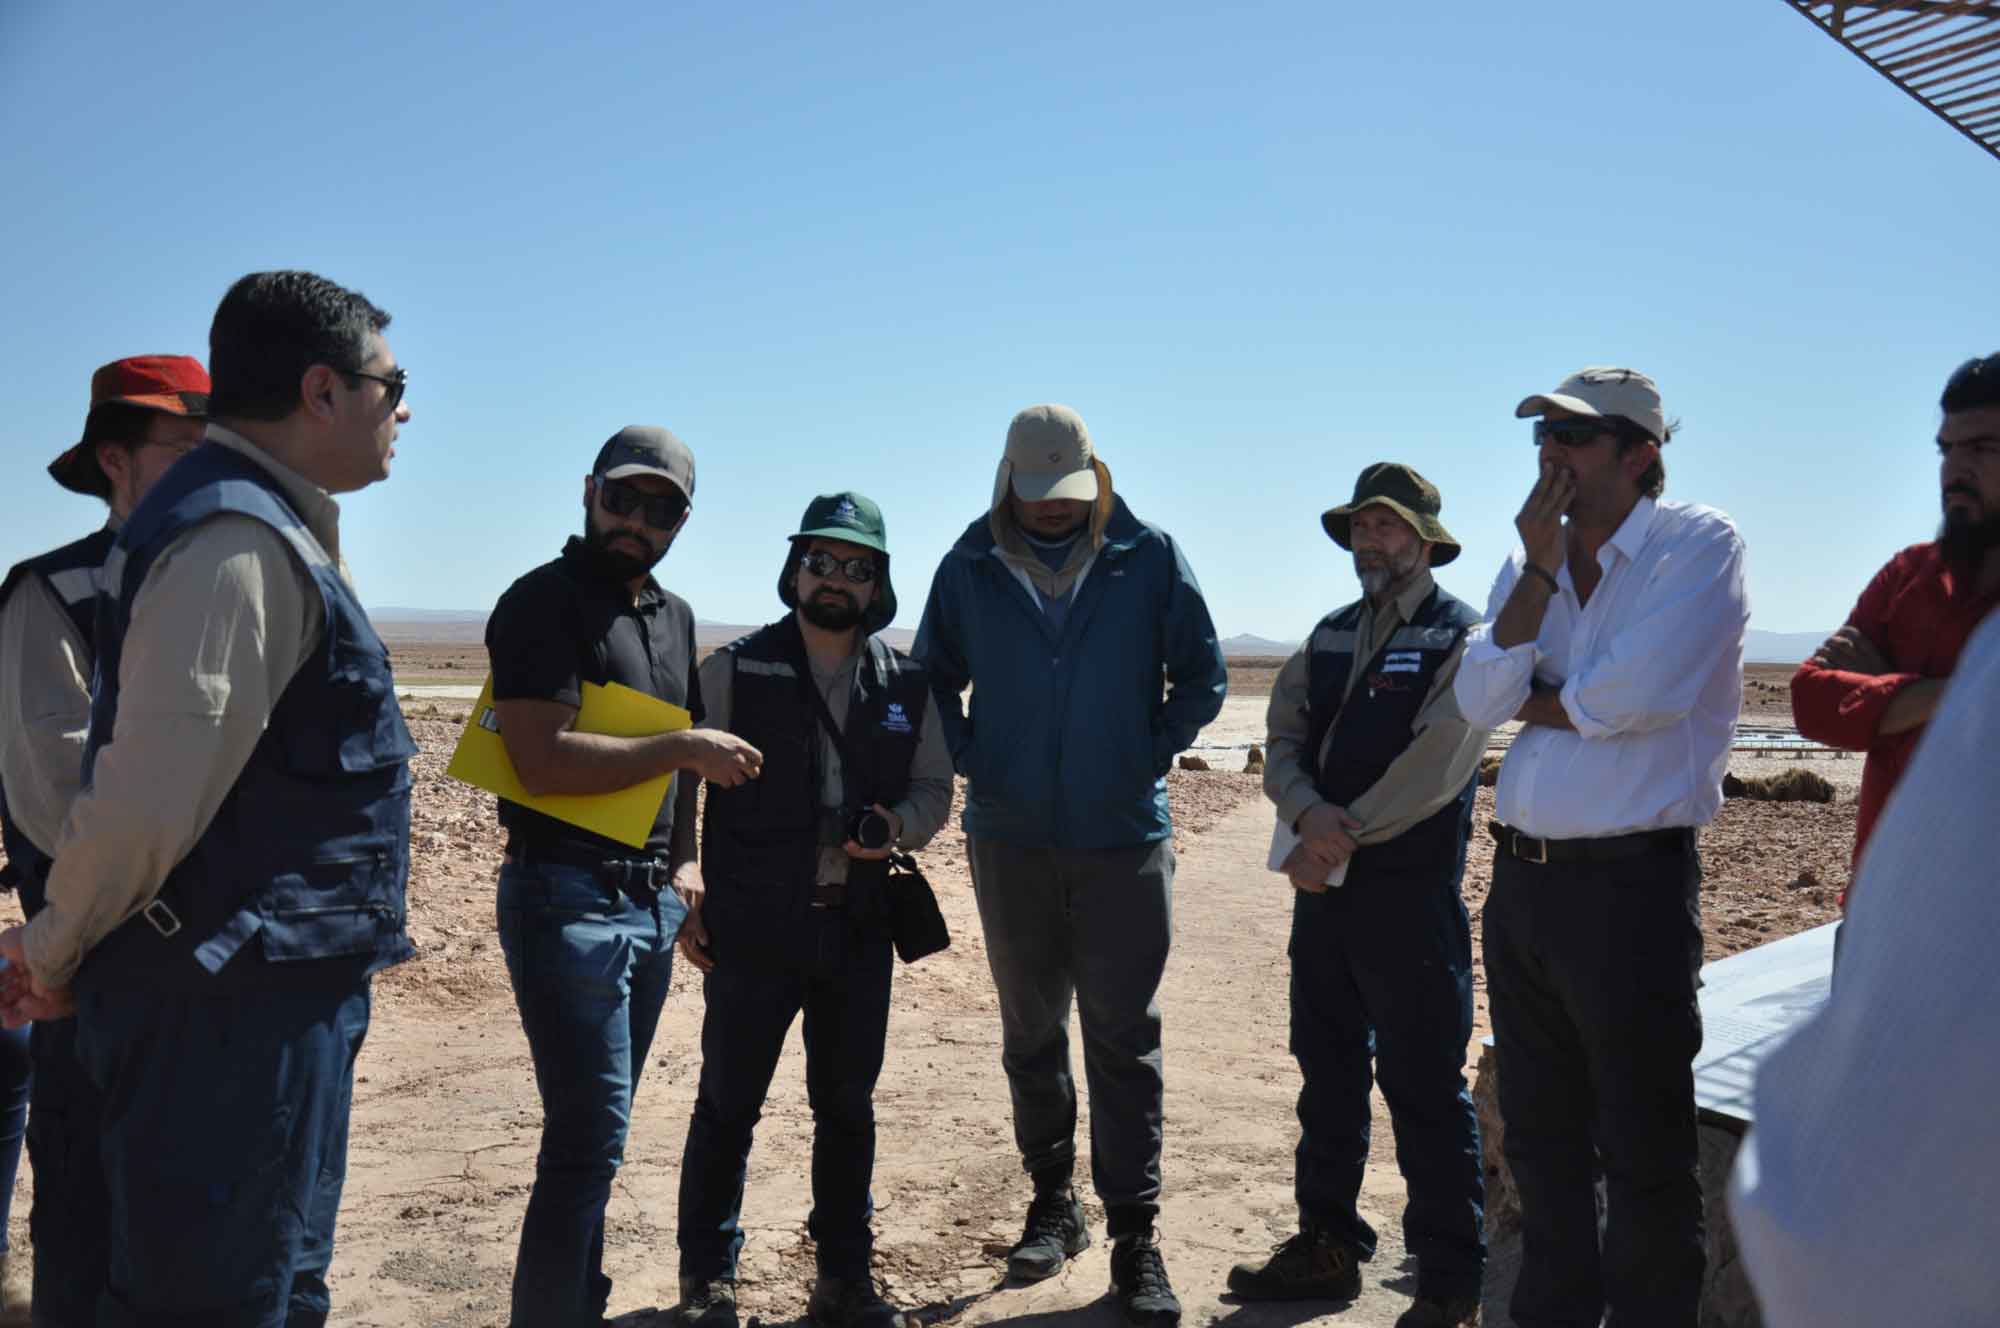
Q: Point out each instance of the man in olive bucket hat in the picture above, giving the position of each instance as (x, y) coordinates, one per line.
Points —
(146, 411)
(1373, 767)
(789, 910)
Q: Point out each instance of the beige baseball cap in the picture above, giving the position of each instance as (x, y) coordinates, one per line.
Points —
(1604, 391)
(1049, 456)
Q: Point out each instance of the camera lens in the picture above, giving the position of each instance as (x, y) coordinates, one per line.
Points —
(870, 830)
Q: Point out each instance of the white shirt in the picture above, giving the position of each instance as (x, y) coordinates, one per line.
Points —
(1651, 672)
(1868, 1192)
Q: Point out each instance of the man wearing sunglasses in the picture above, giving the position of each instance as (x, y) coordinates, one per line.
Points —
(1615, 635)
(587, 924)
(232, 872)
(1092, 662)
(795, 915)
(145, 413)
(1874, 684)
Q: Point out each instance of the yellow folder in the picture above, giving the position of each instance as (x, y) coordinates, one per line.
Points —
(615, 710)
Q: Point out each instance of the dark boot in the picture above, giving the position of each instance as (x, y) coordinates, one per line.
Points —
(1055, 1232)
(708, 1304)
(1441, 1312)
(851, 1303)
(1312, 1265)
(1139, 1280)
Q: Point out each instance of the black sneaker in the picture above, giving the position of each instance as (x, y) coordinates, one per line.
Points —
(708, 1304)
(1139, 1280)
(1441, 1312)
(1312, 1265)
(840, 1303)
(1055, 1232)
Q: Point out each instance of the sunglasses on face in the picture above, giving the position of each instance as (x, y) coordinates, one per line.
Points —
(661, 511)
(857, 571)
(1569, 433)
(393, 384)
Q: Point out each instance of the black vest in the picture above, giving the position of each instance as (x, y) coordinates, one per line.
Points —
(760, 841)
(310, 851)
(72, 572)
(1373, 726)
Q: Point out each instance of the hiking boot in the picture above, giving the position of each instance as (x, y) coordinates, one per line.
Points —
(1312, 1265)
(708, 1303)
(1139, 1280)
(1441, 1312)
(1055, 1232)
(843, 1303)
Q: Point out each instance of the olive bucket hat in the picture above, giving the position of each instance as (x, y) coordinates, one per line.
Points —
(855, 519)
(1409, 495)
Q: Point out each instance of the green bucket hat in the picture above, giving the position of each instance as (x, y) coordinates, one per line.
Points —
(1409, 495)
(853, 518)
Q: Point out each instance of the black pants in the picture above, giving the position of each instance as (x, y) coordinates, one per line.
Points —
(1591, 969)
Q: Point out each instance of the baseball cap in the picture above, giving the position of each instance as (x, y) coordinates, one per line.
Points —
(1604, 391)
(1403, 491)
(169, 384)
(647, 449)
(1049, 456)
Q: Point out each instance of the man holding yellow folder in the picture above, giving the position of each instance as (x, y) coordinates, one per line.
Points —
(587, 923)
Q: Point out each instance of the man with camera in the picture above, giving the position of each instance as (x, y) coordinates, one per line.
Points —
(793, 903)
(586, 923)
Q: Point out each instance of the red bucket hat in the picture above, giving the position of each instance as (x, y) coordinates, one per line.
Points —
(170, 384)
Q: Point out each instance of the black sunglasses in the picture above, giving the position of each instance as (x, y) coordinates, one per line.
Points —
(1570, 433)
(661, 511)
(858, 571)
(394, 383)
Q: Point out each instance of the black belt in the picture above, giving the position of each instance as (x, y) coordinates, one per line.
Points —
(829, 896)
(1609, 848)
(641, 879)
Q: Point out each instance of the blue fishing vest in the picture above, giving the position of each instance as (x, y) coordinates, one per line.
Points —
(1373, 726)
(760, 841)
(73, 573)
(300, 876)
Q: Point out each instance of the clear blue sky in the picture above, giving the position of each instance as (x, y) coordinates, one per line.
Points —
(838, 246)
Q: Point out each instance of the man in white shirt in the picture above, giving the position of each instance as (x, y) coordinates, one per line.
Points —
(1616, 637)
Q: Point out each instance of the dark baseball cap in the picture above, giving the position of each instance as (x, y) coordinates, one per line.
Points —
(169, 384)
(647, 449)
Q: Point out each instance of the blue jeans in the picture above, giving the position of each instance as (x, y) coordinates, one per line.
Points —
(17, 1075)
(1382, 982)
(224, 1145)
(590, 970)
(844, 992)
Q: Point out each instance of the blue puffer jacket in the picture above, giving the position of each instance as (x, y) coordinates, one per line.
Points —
(1069, 736)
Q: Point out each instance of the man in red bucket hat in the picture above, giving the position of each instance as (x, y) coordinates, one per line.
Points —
(145, 412)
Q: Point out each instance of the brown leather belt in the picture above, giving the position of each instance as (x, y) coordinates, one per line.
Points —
(1608, 848)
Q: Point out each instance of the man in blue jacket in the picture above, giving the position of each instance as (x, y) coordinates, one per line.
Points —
(1064, 610)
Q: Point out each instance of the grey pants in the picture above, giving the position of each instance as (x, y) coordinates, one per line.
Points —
(1093, 924)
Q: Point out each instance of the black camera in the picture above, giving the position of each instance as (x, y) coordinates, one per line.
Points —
(869, 828)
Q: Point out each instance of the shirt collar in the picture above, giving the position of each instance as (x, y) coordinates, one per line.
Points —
(1413, 595)
(1630, 537)
(320, 512)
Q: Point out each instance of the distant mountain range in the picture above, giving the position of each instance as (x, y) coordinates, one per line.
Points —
(447, 626)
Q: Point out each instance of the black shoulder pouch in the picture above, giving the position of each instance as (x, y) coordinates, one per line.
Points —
(915, 924)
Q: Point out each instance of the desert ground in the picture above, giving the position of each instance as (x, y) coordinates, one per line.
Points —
(446, 1117)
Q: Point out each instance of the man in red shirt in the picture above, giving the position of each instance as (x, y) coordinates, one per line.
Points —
(1875, 683)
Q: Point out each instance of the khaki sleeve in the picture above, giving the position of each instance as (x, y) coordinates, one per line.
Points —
(1288, 767)
(44, 709)
(1430, 772)
(926, 806)
(223, 621)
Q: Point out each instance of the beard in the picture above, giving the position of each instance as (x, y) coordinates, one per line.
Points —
(1966, 539)
(619, 559)
(1382, 571)
(832, 610)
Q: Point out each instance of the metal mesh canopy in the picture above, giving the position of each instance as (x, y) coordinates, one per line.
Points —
(1945, 53)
